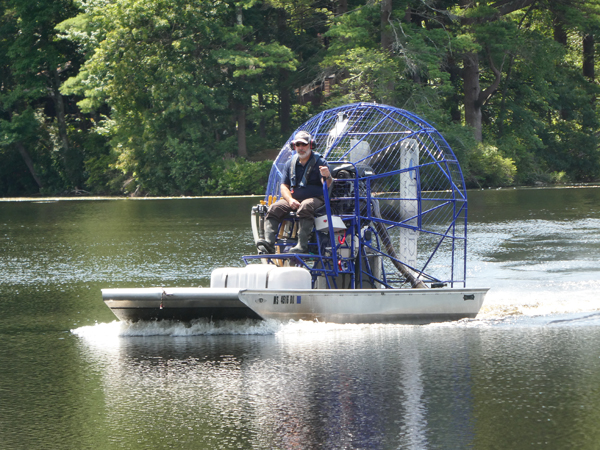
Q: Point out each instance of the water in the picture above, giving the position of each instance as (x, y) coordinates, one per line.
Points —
(539, 250)
(524, 374)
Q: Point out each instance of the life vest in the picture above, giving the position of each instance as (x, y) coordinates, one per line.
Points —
(307, 169)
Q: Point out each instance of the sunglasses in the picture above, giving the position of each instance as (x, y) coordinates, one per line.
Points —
(300, 144)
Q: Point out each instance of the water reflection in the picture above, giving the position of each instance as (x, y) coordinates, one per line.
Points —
(312, 385)
(304, 386)
(412, 433)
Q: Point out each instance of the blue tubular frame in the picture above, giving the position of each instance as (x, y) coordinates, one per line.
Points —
(371, 135)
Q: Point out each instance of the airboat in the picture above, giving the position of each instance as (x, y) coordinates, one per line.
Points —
(388, 246)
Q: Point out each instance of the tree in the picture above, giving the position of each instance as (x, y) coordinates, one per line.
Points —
(34, 63)
(512, 76)
(170, 90)
(169, 70)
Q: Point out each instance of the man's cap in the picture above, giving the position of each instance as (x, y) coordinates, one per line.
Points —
(302, 136)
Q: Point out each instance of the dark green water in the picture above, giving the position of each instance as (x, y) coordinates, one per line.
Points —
(524, 374)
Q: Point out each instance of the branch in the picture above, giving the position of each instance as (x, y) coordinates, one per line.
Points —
(507, 6)
(484, 96)
(29, 163)
(503, 7)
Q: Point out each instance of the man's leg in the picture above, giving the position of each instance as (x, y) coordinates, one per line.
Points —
(308, 207)
(277, 211)
(306, 214)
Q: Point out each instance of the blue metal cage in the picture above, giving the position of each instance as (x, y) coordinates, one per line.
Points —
(400, 191)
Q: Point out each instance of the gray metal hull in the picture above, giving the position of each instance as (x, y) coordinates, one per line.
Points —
(404, 306)
(183, 304)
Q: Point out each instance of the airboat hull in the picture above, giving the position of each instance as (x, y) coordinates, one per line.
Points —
(403, 306)
(182, 304)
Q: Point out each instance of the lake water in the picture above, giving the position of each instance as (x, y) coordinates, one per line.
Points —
(524, 374)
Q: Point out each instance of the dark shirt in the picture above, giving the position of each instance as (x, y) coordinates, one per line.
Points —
(313, 188)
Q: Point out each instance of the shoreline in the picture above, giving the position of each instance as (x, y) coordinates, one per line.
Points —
(191, 197)
(103, 198)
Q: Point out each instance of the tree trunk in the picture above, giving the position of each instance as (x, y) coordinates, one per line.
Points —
(262, 125)
(560, 34)
(72, 159)
(502, 113)
(472, 91)
(241, 131)
(342, 7)
(239, 14)
(386, 33)
(29, 163)
(475, 98)
(59, 106)
(455, 74)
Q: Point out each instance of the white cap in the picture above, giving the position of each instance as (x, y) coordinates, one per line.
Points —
(302, 136)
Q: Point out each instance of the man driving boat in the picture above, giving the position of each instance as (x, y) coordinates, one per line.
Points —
(301, 191)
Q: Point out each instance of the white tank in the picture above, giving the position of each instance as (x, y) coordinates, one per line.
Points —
(289, 278)
(218, 277)
(261, 276)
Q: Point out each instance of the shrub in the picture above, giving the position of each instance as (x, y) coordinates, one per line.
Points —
(237, 176)
(486, 167)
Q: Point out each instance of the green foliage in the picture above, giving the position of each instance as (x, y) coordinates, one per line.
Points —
(122, 96)
(487, 167)
(411, 76)
(168, 70)
(238, 177)
(28, 131)
(102, 176)
(36, 118)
